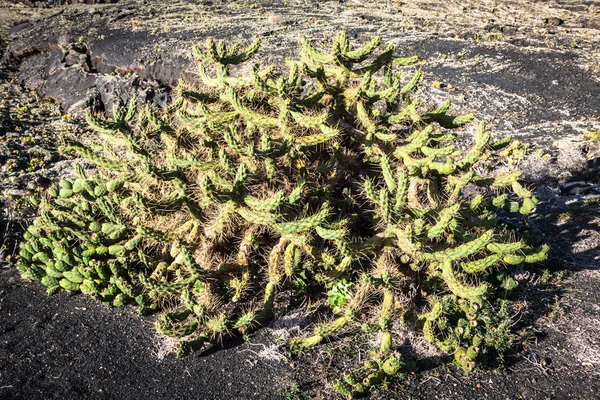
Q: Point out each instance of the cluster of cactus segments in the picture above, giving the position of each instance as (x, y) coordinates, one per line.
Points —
(331, 170)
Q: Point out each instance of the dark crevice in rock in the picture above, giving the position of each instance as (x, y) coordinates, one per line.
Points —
(78, 54)
(78, 80)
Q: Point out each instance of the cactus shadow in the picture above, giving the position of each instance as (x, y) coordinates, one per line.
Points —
(570, 225)
(421, 363)
(227, 343)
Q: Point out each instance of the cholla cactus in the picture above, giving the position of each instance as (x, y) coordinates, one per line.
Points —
(331, 170)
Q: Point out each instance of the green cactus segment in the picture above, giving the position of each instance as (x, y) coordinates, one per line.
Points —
(175, 324)
(320, 333)
(538, 256)
(217, 227)
(461, 357)
(430, 318)
(330, 234)
(319, 138)
(505, 248)
(72, 145)
(448, 121)
(458, 288)
(265, 205)
(385, 323)
(388, 175)
(329, 179)
(446, 216)
(257, 217)
(463, 251)
(481, 265)
(482, 139)
(305, 224)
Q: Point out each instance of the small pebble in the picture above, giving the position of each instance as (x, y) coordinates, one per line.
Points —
(275, 20)
(546, 361)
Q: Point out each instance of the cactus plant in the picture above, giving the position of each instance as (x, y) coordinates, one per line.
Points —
(333, 170)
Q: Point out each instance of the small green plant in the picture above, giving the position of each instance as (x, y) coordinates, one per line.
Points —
(27, 140)
(565, 217)
(292, 392)
(328, 177)
(551, 279)
(593, 136)
(24, 109)
(34, 164)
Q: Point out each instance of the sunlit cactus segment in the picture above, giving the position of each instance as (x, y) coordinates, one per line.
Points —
(329, 179)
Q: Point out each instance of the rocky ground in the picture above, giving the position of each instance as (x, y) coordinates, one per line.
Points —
(529, 68)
